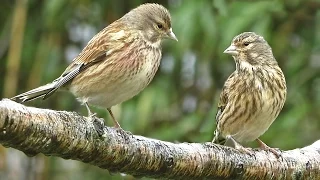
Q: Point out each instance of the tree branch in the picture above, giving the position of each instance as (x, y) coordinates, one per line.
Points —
(70, 136)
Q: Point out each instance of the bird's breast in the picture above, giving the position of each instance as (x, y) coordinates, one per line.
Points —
(253, 104)
(119, 78)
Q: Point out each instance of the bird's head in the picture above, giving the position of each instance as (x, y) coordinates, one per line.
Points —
(248, 47)
(153, 21)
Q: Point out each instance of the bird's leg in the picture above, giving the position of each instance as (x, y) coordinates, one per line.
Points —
(116, 124)
(267, 148)
(98, 123)
(90, 114)
(230, 141)
(218, 139)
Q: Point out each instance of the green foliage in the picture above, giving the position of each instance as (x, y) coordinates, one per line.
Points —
(180, 103)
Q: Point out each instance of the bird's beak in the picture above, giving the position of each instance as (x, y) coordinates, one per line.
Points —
(171, 35)
(232, 49)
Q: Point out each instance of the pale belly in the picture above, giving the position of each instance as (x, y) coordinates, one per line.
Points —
(256, 126)
(113, 95)
(259, 122)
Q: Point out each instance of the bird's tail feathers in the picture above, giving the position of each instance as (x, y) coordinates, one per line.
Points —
(42, 91)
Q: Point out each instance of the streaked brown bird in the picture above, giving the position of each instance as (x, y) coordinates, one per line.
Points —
(253, 95)
(117, 63)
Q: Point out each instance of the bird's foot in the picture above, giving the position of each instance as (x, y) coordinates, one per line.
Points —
(98, 123)
(231, 142)
(117, 125)
(244, 150)
(92, 115)
(276, 151)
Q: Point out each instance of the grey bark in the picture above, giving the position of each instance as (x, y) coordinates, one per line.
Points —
(71, 136)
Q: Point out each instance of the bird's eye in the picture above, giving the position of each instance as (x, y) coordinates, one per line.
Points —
(159, 26)
(246, 44)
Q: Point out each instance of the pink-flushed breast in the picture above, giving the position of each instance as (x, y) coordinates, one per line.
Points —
(124, 73)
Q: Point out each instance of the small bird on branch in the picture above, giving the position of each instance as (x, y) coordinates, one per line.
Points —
(252, 96)
(117, 63)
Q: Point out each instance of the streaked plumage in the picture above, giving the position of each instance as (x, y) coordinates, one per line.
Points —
(254, 93)
(117, 63)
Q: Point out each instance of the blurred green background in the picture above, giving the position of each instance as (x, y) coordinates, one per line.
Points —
(38, 39)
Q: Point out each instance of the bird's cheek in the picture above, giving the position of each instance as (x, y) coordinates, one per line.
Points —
(242, 57)
(254, 55)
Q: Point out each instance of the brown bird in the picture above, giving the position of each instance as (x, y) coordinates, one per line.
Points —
(117, 63)
(253, 95)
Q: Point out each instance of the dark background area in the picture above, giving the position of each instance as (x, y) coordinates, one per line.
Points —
(38, 39)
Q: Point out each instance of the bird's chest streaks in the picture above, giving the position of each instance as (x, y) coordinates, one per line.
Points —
(124, 77)
(251, 101)
(140, 72)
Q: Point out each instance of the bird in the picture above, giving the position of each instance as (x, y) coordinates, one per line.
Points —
(117, 63)
(252, 96)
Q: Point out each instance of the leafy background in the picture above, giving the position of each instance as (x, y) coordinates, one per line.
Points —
(38, 39)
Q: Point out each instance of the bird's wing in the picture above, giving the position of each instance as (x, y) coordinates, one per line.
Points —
(97, 50)
(223, 101)
(221, 105)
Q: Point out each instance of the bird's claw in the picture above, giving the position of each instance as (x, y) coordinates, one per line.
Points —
(93, 115)
(98, 124)
(276, 151)
(231, 142)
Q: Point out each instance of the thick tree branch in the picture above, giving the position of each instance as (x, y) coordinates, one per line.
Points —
(70, 136)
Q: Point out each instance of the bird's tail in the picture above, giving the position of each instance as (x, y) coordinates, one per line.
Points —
(42, 91)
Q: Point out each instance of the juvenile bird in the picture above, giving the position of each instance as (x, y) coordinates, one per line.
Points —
(117, 63)
(253, 95)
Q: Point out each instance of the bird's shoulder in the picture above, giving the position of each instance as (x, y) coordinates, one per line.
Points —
(110, 39)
